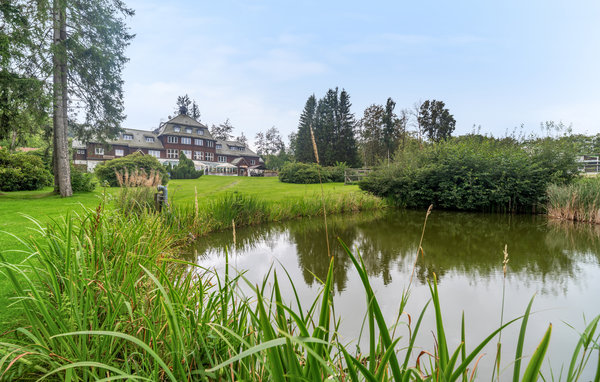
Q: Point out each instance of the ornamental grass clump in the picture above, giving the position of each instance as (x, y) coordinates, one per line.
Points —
(579, 201)
(137, 189)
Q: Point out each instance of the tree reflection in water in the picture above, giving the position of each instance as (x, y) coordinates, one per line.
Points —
(458, 243)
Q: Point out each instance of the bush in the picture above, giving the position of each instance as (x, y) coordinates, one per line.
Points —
(22, 172)
(474, 173)
(185, 169)
(308, 173)
(136, 161)
(82, 181)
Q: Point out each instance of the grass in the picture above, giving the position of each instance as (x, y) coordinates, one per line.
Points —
(216, 195)
(579, 201)
(103, 297)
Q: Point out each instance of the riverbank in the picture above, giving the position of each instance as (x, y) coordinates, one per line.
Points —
(579, 201)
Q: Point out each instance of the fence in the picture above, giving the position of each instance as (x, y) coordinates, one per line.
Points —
(354, 175)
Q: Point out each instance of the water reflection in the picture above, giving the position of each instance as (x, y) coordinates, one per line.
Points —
(465, 244)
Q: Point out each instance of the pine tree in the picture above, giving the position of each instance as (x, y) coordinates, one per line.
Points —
(303, 148)
(346, 147)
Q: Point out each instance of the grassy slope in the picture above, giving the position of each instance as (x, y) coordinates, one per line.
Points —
(45, 206)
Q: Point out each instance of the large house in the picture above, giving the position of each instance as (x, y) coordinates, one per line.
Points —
(181, 134)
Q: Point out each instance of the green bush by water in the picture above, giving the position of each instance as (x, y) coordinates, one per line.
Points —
(475, 173)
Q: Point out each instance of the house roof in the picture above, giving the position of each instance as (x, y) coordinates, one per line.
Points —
(183, 122)
(139, 140)
(226, 149)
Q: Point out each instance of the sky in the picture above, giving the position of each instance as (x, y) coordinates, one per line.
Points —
(495, 64)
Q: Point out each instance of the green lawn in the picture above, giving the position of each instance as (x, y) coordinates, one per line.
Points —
(45, 206)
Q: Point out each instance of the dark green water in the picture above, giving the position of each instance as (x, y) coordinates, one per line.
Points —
(559, 263)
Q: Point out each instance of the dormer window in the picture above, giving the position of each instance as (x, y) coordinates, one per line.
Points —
(176, 129)
(127, 137)
(219, 145)
(188, 130)
(150, 139)
(200, 131)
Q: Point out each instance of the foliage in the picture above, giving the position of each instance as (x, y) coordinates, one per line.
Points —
(435, 120)
(185, 169)
(187, 106)
(333, 125)
(579, 201)
(475, 173)
(137, 189)
(277, 161)
(19, 172)
(107, 171)
(307, 173)
(82, 181)
(222, 131)
(269, 143)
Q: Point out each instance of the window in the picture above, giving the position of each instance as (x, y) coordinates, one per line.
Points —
(200, 131)
(172, 154)
(154, 153)
(119, 152)
(210, 157)
(128, 137)
(186, 141)
(80, 151)
(99, 150)
(188, 130)
(188, 153)
(150, 139)
(222, 158)
(172, 139)
(219, 146)
(210, 143)
(198, 155)
(176, 129)
(199, 142)
(252, 161)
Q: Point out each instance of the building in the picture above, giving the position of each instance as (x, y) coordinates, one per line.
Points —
(181, 134)
(589, 164)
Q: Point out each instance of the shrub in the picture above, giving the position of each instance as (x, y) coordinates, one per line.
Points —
(307, 173)
(22, 172)
(82, 181)
(474, 173)
(107, 170)
(185, 169)
(137, 190)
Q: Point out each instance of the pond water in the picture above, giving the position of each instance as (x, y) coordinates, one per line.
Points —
(557, 262)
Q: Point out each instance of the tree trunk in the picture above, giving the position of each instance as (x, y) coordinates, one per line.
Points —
(62, 170)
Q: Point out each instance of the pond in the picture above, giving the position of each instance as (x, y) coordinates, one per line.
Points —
(557, 262)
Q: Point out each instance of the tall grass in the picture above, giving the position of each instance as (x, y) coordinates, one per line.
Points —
(104, 298)
(579, 201)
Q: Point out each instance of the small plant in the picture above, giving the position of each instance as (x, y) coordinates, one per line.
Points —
(137, 190)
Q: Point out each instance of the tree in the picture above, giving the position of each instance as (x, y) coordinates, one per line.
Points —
(80, 45)
(183, 105)
(242, 139)
(346, 148)
(195, 111)
(24, 98)
(371, 134)
(437, 122)
(222, 131)
(269, 143)
(303, 148)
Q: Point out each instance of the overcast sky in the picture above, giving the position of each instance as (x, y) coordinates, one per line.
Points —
(498, 64)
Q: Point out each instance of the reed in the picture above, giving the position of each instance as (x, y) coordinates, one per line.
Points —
(579, 201)
(104, 297)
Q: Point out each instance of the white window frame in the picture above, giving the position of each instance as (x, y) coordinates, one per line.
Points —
(188, 130)
(252, 161)
(172, 139)
(219, 146)
(149, 139)
(199, 142)
(154, 153)
(81, 151)
(210, 157)
(200, 131)
(99, 151)
(176, 129)
(119, 152)
(127, 137)
(198, 155)
(222, 158)
(210, 143)
(188, 153)
(186, 140)
(172, 154)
